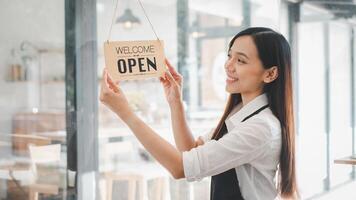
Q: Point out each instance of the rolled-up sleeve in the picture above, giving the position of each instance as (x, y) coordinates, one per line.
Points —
(243, 144)
(206, 137)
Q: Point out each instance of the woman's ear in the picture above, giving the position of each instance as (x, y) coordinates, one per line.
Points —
(271, 74)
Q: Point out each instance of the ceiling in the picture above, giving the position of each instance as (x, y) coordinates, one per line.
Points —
(339, 8)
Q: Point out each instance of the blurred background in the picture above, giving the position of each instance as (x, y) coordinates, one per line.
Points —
(57, 141)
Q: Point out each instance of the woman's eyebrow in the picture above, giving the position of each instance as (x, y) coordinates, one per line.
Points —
(240, 53)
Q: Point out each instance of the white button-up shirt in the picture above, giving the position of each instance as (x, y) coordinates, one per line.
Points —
(251, 147)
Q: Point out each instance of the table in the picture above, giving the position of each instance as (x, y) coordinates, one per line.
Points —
(20, 179)
(16, 166)
(103, 134)
(27, 123)
(350, 160)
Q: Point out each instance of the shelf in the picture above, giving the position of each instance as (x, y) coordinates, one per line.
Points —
(35, 82)
(350, 160)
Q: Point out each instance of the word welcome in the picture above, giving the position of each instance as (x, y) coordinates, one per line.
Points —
(135, 49)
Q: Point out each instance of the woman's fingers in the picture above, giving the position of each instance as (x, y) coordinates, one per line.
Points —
(113, 85)
(162, 80)
(104, 84)
(170, 77)
(171, 69)
(168, 63)
(165, 82)
(108, 84)
(105, 90)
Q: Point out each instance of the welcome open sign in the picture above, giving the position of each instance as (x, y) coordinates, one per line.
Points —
(127, 60)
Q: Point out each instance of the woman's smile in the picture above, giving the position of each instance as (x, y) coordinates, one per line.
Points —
(230, 79)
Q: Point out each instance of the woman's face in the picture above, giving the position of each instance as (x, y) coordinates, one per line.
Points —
(244, 70)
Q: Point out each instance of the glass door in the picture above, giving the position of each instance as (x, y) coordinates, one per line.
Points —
(33, 148)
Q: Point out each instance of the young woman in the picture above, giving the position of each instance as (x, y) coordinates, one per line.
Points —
(251, 152)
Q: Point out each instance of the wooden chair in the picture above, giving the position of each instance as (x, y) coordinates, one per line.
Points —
(25, 175)
(135, 173)
(43, 155)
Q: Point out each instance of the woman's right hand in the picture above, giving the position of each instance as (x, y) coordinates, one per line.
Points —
(172, 83)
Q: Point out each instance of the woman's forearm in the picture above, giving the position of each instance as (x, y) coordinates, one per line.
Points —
(182, 135)
(165, 153)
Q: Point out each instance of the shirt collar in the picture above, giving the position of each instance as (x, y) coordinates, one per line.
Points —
(248, 109)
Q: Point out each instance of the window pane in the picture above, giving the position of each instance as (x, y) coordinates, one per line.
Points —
(32, 121)
(125, 165)
(340, 100)
(312, 136)
(126, 168)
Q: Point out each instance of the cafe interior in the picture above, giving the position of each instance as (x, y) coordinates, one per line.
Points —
(58, 141)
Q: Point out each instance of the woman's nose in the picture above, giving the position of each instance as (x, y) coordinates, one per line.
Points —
(228, 66)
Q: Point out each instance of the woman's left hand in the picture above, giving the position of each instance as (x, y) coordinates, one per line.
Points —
(113, 97)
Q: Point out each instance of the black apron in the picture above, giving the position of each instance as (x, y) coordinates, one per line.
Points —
(225, 186)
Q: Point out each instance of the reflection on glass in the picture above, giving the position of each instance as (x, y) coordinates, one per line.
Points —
(32, 121)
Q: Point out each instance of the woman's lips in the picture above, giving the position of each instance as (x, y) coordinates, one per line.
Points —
(230, 79)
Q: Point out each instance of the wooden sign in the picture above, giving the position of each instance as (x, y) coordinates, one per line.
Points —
(128, 60)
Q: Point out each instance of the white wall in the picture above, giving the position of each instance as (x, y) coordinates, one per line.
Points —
(42, 24)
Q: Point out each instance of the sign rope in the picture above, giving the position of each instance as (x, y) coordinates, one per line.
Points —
(144, 12)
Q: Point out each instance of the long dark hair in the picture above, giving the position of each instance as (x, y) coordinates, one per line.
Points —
(273, 50)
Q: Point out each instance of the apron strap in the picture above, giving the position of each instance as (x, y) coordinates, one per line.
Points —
(225, 186)
(255, 113)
